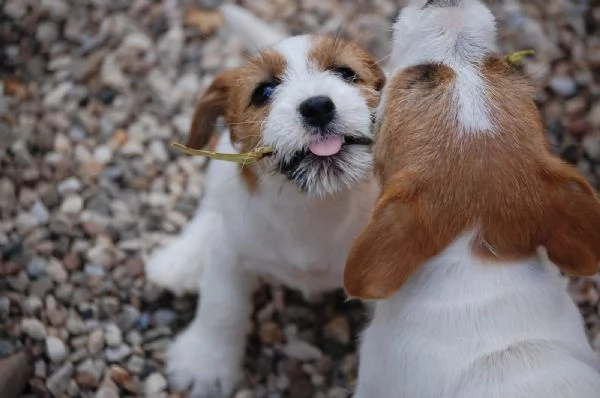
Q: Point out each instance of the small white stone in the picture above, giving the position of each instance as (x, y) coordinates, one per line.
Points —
(245, 394)
(591, 144)
(56, 349)
(73, 204)
(56, 271)
(69, 186)
(103, 154)
(158, 151)
(25, 222)
(154, 384)
(113, 335)
(112, 75)
(33, 328)
(302, 351)
(55, 98)
(563, 85)
(40, 212)
(95, 342)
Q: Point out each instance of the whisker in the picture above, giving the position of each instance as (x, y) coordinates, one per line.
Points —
(380, 60)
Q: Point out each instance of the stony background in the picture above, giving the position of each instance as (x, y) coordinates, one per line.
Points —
(91, 93)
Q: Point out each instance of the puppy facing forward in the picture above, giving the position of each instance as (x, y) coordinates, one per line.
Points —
(467, 306)
(291, 217)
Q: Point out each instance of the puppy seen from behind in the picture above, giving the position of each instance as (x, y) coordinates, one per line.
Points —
(474, 223)
(291, 217)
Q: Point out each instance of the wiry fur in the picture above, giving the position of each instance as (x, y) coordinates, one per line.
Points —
(467, 307)
(290, 218)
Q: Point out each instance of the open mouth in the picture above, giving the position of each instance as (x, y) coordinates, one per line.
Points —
(323, 152)
(332, 145)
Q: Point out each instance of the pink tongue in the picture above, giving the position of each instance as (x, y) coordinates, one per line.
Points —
(326, 147)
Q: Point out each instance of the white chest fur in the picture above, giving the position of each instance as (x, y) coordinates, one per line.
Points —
(467, 329)
(282, 233)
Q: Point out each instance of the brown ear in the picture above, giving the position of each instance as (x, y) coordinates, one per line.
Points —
(212, 104)
(572, 222)
(390, 248)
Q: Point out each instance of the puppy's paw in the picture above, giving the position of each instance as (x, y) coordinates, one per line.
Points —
(206, 364)
(176, 267)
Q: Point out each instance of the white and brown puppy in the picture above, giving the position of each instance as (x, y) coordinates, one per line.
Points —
(293, 216)
(467, 305)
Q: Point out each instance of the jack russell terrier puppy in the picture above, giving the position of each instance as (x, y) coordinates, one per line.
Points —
(293, 216)
(475, 219)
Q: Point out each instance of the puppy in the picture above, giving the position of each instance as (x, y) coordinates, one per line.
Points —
(467, 304)
(291, 217)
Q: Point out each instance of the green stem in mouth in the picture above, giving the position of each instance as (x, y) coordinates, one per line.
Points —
(242, 158)
(516, 57)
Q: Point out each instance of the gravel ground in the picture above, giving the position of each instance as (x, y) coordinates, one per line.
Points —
(92, 91)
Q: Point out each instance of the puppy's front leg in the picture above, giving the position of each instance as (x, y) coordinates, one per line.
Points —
(208, 355)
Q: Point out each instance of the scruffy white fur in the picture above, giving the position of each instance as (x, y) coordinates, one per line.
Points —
(447, 34)
(460, 327)
(297, 238)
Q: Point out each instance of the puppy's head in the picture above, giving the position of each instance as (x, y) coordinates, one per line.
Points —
(461, 150)
(310, 98)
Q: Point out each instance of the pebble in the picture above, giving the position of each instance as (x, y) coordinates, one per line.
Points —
(56, 271)
(117, 354)
(41, 286)
(103, 154)
(25, 222)
(108, 389)
(94, 270)
(338, 329)
(591, 145)
(154, 384)
(40, 369)
(113, 335)
(563, 85)
(73, 204)
(95, 342)
(159, 151)
(33, 328)
(55, 349)
(69, 186)
(88, 374)
(136, 364)
(55, 98)
(31, 305)
(111, 74)
(57, 317)
(245, 394)
(59, 380)
(302, 351)
(75, 325)
(37, 267)
(40, 212)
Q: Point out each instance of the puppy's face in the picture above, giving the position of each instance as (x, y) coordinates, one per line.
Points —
(310, 98)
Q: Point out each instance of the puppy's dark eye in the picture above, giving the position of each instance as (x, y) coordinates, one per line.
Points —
(346, 73)
(263, 93)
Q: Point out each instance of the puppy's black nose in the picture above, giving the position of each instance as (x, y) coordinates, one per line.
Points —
(317, 111)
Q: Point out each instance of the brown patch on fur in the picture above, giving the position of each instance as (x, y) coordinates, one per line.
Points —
(439, 183)
(229, 96)
(330, 52)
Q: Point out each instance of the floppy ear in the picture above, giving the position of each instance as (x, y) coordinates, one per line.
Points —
(212, 104)
(572, 222)
(390, 248)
